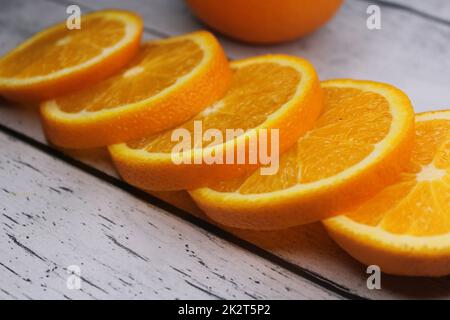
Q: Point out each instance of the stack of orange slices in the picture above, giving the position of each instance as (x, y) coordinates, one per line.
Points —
(266, 92)
(348, 152)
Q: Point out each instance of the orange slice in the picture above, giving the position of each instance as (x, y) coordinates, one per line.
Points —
(357, 146)
(405, 228)
(168, 82)
(58, 60)
(267, 92)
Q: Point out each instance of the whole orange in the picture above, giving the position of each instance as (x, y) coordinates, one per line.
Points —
(264, 21)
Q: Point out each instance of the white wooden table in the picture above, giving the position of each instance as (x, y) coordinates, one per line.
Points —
(59, 209)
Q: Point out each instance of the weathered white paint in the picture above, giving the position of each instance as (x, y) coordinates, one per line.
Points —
(435, 8)
(308, 246)
(54, 216)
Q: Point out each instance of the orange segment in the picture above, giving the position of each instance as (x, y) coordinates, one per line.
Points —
(240, 100)
(166, 83)
(274, 91)
(405, 229)
(155, 68)
(344, 140)
(358, 145)
(58, 60)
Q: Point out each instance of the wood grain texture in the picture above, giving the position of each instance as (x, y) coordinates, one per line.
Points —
(53, 216)
(307, 247)
(434, 8)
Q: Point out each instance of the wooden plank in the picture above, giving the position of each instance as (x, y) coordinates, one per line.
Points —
(307, 247)
(439, 9)
(54, 216)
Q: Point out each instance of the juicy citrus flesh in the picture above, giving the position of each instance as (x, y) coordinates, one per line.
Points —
(357, 145)
(167, 82)
(405, 228)
(59, 49)
(338, 141)
(266, 92)
(157, 66)
(246, 105)
(63, 48)
(59, 60)
(419, 204)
